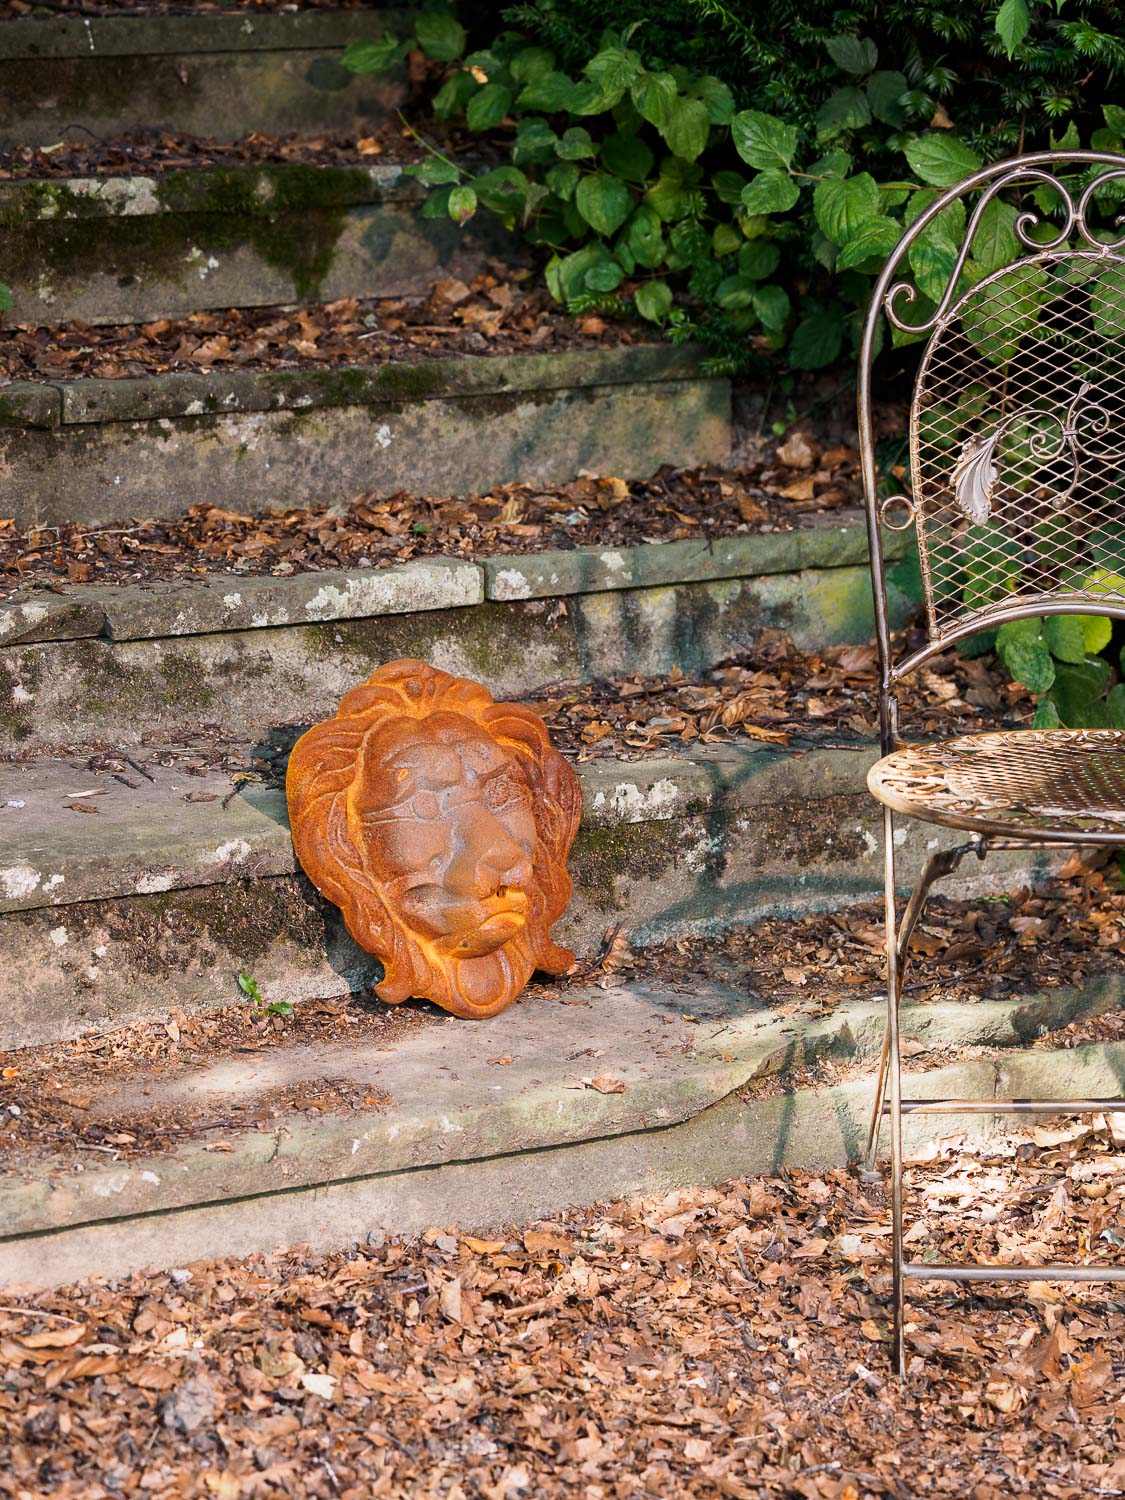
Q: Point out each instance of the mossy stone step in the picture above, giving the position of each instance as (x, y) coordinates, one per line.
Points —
(136, 248)
(253, 655)
(93, 450)
(220, 76)
(463, 1141)
(174, 886)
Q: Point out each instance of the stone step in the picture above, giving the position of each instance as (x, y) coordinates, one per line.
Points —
(95, 449)
(222, 76)
(261, 655)
(181, 881)
(483, 1125)
(137, 248)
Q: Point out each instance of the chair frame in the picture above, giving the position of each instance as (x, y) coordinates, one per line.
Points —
(1028, 170)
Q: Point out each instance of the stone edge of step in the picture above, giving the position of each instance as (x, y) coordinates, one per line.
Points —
(159, 842)
(36, 38)
(430, 1130)
(229, 602)
(180, 395)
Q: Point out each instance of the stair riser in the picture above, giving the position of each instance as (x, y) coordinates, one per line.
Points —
(808, 1130)
(99, 470)
(138, 268)
(786, 837)
(215, 76)
(257, 682)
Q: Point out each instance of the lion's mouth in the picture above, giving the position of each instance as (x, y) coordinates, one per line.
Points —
(469, 929)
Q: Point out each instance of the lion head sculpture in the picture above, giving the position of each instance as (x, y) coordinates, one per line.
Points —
(439, 822)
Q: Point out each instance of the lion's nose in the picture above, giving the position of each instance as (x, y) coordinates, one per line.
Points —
(505, 869)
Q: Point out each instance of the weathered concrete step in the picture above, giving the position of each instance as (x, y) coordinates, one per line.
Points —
(131, 249)
(258, 654)
(465, 1141)
(95, 449)
(216, 75)
(157, 901)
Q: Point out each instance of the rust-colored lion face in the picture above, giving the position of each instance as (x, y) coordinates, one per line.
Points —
(439, 822)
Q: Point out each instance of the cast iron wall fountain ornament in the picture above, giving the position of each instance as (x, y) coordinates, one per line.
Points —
(439, 822)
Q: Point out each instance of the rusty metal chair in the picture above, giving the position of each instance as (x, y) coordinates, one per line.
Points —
(1017, 458)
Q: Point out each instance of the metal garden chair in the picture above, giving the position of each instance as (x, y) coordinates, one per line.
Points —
(1017, 456)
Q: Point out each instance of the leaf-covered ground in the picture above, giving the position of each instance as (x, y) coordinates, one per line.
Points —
(499, 312)
(721, 1342)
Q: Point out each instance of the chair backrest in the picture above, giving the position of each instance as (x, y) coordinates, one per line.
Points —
(1017, 418)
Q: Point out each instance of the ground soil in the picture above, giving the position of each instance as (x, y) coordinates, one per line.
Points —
(500, 312)
(675, 504)
(726, 1341)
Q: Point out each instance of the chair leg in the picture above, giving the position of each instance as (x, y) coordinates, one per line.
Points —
(945, 862)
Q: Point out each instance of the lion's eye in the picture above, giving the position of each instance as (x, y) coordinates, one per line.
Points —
(500, 791)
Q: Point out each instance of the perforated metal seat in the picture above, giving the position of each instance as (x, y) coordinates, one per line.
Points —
(1057, 785)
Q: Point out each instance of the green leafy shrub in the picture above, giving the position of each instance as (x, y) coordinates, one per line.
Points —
(738, 174)
(5, 297)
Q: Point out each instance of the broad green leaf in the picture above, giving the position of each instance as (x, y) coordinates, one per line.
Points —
(644, 236)
(488, 106)
(551, 93)
(995, 243)
(454, 94)
(1114, 115)
(952, 216)
(998, 323)
(1013, 22)
(875, 241)
(654, 301)
(728, 186)
(933, 257)
(531, 64)
(717, 97)
(770, 192)
(763, 140)
(589, 98)
(627, 156)
(834, 163)
(371, 57)
(503, 189)
(1078, 687)
(771, 303)
(654, 94)
(1066, 636)
(613, 69)
(606, 276)
(843, 208)
(436, 205)
(576, 144)
(758, 259)
(567, 275)
(941, 160)
(535, 142)
(884, 95)
(992, 568)
(562, 179)
(687, 127)
(725, 240)
(853, 54)
(735, 291)
(1097, 632)
(846, 109)
(441, 37)
(249, 986)
(462, 204)
(817, 340)
(1029, 662)
(434, 171)
(1046, 715)
(603, 201)
(669, 198)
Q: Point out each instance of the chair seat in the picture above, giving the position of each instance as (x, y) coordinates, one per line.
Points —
(1054, 785)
